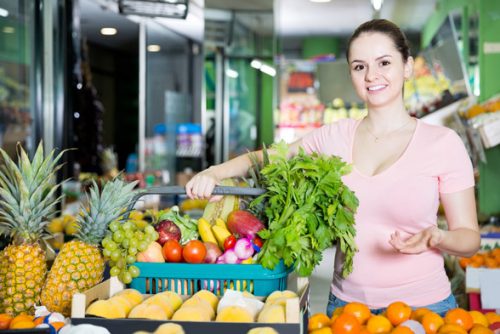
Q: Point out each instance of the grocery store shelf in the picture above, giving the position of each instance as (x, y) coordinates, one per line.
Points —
(439, 116)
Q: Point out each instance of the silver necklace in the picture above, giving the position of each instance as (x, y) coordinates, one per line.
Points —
(376, 138)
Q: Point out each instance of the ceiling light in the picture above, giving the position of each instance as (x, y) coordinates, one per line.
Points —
(155, 8)
(231, 73)
(4, 12)
(377, 4)
(153, 48)
(320, 1)
(8, 30)
(256, 64)
(269, 70)
(108, 31)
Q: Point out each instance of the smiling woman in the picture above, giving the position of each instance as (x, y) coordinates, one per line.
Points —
(401, 169)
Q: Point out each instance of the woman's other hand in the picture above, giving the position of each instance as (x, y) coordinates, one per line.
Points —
(202, 185)
(417, 243)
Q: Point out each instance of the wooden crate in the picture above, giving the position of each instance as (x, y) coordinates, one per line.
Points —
(296, 313)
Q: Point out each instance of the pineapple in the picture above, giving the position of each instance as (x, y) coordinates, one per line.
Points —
(27, 202)
(80, 263)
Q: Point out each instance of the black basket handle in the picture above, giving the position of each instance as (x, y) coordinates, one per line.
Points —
(178, 190)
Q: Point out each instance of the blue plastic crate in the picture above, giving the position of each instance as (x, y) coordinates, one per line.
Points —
(187, 279)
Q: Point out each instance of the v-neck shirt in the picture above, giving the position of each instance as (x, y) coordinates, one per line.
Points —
(403, 197)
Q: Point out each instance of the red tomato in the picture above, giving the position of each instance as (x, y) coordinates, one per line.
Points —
(229, 242)
(172, 251)
(194, 251)
(258, 242)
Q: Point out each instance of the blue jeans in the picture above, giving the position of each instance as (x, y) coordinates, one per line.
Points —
(440, 307)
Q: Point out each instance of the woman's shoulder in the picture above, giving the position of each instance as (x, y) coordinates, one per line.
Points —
(434, 131)
(438, 135)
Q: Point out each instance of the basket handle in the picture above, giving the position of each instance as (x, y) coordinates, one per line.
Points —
(178, 190)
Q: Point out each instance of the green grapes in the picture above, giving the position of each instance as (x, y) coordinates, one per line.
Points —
(122, 243)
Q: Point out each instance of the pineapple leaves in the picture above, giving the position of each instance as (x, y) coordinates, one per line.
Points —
(308, 209)
(104, 206)
(27, 192)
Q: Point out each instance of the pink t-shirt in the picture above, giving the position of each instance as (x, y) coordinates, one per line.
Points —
(404, 197)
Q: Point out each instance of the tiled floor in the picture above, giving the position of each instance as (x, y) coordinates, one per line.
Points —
(320, 282)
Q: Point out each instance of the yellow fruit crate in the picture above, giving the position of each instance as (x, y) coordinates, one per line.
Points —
(296, 313)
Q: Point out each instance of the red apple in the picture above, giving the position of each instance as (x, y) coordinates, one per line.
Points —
(167, 230)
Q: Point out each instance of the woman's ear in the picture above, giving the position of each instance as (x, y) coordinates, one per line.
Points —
(408, 68)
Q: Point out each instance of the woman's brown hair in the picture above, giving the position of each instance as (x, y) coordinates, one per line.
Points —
(386, 27)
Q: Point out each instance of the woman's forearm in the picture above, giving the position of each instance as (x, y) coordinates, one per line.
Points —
(462, 242)
(236, 167)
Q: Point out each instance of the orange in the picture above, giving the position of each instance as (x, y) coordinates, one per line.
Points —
(480, 329)
(364, 330)
(338, 311)
(317, 321)
(324, 330)
(459, 316)
(464, 262)
(346, 324)
(419, 313)
(21, 318)
(398, 312)
(490, 262)
(451, 328)
(5, 320)
(479, 318)
(378, 324)
(38, 320)
(359, 310)
(402, 330)
(22, 324)
(432, 322)
(58, 325)
(492, 317)
(477, 260)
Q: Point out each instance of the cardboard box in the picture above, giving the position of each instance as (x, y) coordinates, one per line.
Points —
(486, 282)
(296, 314)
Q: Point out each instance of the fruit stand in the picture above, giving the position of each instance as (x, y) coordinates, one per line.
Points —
(240, 268)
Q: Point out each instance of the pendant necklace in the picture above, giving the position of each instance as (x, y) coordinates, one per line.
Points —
(376, 138)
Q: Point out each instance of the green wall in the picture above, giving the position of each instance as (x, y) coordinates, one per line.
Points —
(489, 69)
(315, 46)
(489, 63)
(443, 8)
(489, 76)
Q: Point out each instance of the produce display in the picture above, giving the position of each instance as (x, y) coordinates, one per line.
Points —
(80, 264)
(27, 196)
(399, 318)
(483, 259)
(305, 209)
(233, 306)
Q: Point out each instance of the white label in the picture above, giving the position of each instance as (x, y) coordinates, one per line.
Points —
(491, 47)
(490, 293)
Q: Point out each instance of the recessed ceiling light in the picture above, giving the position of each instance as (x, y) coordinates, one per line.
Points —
(153, 48)
(108, 31)
(8, 30)
(155, 8)
(269, 70)
(231, 73)
(4, 12)
(320, 1)
(256, 64)
(377, 4)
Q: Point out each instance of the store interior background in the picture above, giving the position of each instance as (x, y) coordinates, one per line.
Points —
(170, 96)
